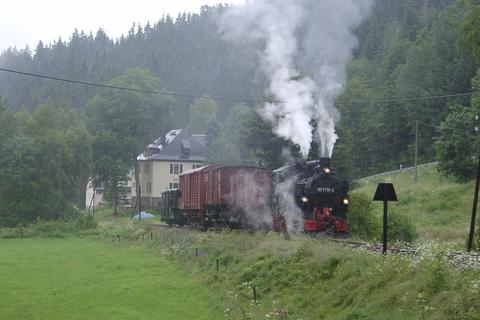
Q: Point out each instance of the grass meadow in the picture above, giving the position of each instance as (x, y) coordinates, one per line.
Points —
(117, 268)
(86, 279)
(440, 207)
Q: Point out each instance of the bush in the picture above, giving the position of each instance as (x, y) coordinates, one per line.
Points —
(400, 229)
(85, 222)
(50, 228)
(361, 218)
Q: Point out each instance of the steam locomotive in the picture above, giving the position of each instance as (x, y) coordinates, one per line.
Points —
(305, 196)
(320, 196)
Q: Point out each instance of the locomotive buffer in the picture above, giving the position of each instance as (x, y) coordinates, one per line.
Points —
(385, 192)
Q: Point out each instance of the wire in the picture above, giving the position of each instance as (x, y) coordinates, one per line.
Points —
(428, 125)
(446, 96)
(175, 94)
(125, 88)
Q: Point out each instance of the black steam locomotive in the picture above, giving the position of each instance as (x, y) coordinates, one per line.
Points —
(317, 191)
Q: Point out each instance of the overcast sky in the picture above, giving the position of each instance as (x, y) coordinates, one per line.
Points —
(25, 22)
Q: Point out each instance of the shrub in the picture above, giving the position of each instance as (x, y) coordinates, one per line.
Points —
(437, 276)
(361, 218)
(85, 222)
(400, 228)
(50, 228)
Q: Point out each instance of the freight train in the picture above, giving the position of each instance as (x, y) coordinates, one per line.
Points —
(249, 197)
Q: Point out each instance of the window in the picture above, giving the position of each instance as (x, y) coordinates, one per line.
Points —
(176, 168)
(198, 165)
(146, 168)
(149, 187)
(173, 186)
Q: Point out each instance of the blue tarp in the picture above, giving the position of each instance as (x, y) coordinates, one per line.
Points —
(143, 215)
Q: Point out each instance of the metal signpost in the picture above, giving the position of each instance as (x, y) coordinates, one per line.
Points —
(475, 201)
(385, 192)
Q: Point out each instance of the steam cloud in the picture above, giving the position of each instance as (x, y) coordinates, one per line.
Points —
(305, 46)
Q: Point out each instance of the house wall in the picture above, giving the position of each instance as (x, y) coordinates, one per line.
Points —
(97, 200)
(159, 177)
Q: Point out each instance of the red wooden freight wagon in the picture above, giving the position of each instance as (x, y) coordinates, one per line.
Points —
(238, 187)
(192, 189)
(224, 195)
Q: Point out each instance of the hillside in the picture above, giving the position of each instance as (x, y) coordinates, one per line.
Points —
(142, 267)
(440, 207)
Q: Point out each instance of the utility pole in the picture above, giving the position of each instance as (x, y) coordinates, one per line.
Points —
(139, 201)
(474, 209)
(475, 202)
(416, 151)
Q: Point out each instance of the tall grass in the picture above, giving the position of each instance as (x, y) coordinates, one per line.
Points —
(313, 279)
(438, 206)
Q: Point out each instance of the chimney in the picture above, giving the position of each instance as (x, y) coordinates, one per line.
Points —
(325, 162)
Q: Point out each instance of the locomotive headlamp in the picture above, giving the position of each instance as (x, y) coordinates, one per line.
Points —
(345, 201)
(304, 199)
(327, 170)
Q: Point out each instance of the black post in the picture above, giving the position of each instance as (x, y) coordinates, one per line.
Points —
(151, 235)
(416, 152)
(217, 264)
(196, 252)
(255, 293)
(385, 225)
(474, 209)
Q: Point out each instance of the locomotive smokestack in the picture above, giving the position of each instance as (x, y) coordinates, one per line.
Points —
(325, 162)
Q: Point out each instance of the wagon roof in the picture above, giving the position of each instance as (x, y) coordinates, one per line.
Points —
(217, 166)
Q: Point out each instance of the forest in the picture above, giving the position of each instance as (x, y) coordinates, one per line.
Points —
(416, 66)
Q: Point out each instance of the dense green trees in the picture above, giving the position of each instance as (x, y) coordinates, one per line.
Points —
(44, 163)
(123, 123)
(187, 53)
(471, 28)
(202, 113)
(458, 142)
(414, 50)
(410, 48)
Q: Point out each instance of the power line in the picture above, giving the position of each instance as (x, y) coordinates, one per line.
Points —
(185, 95)
(166, 93)
(410, 99)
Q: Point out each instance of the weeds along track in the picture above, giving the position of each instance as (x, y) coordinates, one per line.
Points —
(459, 259)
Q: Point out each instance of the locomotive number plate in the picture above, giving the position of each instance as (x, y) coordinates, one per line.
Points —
(326, 190)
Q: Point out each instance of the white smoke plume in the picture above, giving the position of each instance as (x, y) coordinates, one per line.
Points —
(305, 47)
(287, 206)
(251, 193)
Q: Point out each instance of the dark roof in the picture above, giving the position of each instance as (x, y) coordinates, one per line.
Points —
(202, 138)
(182, 147)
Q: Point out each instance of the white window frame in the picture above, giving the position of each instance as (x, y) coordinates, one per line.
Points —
(176, 168)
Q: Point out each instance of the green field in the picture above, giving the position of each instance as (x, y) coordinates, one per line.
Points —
(86, 279)
(438, 206)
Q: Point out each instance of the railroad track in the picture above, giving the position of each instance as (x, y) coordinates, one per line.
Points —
(462, 260)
